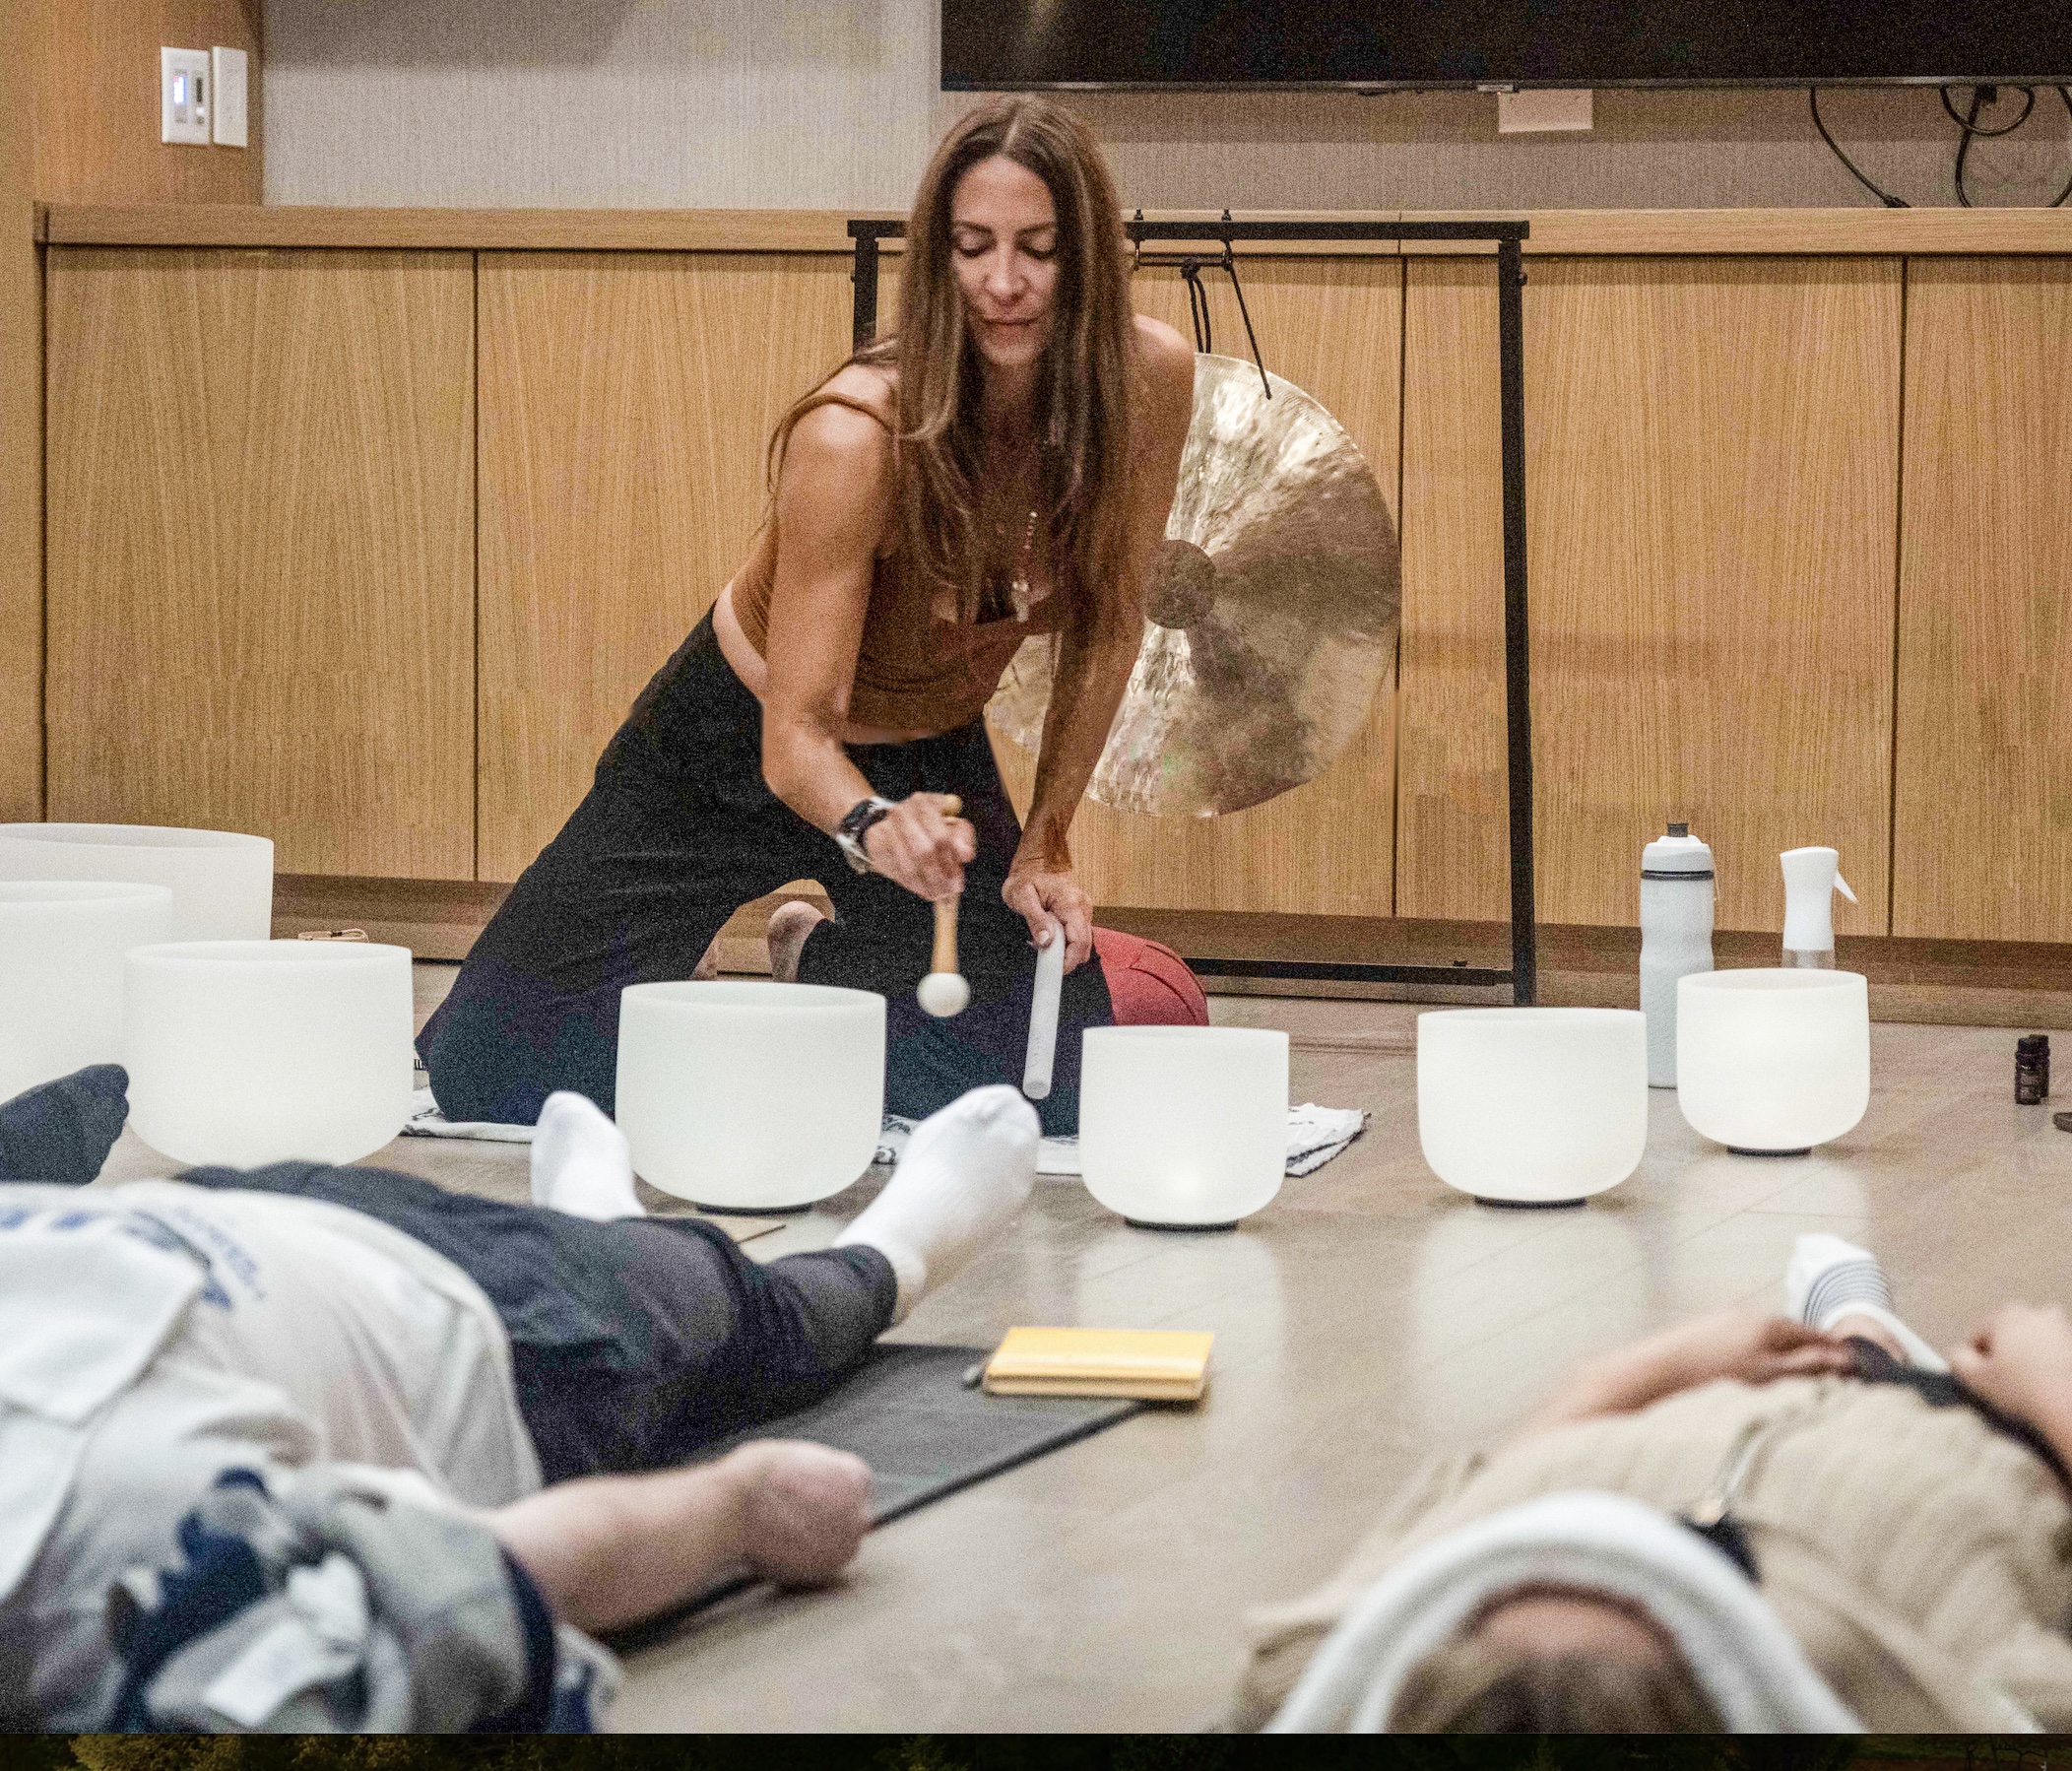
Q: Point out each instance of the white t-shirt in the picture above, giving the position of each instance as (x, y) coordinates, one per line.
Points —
(156, 1334)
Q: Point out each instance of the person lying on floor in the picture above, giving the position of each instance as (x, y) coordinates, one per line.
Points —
(1749, 1523)
(336, 1448)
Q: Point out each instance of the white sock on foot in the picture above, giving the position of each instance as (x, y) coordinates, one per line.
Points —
(1829, 1279)
(967, 1170)
(580, 1161)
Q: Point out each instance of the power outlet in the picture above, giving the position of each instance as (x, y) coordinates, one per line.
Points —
(233, 128)
(185, 83)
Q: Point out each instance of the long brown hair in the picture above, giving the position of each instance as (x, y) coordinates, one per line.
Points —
(1085, 388)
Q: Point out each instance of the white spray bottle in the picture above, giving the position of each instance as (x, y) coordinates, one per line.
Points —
(1676, 937)
(1811, 879)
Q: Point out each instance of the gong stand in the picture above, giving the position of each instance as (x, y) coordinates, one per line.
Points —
(1523, 974)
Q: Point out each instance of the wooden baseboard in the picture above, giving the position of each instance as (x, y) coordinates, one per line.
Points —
(440, 919)
(1950, 983)
(1954, 983)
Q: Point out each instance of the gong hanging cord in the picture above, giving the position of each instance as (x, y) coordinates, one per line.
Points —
(1230, 265)
(1197, 298)
(1197, 305)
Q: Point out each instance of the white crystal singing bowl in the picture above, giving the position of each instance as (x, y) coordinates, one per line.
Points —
(1183, 1128)
(1532, 1106)
(62, 943)
(244, 1052)
(221, 882)
(1770, 1060)
(750, 1097)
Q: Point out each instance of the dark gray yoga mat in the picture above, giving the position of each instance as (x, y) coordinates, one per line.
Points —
(907, 1413)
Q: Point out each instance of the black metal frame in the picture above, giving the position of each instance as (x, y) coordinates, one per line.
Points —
(1523, 974)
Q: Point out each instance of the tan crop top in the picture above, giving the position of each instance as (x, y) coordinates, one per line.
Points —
(914, 672)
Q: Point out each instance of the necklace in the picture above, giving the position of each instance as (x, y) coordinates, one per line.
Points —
(1018, 585)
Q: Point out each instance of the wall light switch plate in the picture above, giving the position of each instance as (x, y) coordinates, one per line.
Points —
(1539, 111)
(184, 81)
(232, 114)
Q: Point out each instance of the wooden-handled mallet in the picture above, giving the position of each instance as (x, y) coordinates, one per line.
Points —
(943, 992)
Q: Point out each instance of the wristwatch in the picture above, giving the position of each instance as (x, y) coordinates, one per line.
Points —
(849, 833)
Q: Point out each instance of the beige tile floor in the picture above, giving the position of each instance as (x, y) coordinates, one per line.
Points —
(1365, 1320)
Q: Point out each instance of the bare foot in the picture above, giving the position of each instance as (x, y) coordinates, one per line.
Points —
(804, 1508)
(790, 924)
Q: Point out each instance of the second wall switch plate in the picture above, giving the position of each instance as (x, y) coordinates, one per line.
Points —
(231, 112)
(184, 80)
(1542, 110)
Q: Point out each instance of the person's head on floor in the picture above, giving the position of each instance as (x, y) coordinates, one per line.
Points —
(1579, 1612)
(1546, 1658)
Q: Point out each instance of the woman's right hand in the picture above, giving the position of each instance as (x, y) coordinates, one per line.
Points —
(922, 845)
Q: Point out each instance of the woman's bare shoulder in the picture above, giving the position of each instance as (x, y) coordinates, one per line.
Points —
(1167, 357)
(837, 430)
(1169, 370)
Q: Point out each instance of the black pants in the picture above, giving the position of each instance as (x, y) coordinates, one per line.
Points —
(633, 1342)
(677, 832)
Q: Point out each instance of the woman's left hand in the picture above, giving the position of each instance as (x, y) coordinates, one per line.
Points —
(1036, 887)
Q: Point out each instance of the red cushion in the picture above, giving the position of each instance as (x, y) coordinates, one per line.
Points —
(1150, 984)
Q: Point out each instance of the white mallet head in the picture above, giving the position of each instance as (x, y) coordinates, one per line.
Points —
(944, 993)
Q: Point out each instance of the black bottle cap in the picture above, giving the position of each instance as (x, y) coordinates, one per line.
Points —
(2033, 1043)
(1679, 829)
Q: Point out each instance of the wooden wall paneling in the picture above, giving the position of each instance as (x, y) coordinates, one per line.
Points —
(625, 404)
(1983, 815)
(1712, 482)
(96, 83)
(20, 450)
(261, 550)
(1333, 326)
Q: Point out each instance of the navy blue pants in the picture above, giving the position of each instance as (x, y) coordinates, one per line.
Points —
(677, 831)
(632, 1343)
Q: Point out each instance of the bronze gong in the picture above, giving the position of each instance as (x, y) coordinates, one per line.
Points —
(1272, 612)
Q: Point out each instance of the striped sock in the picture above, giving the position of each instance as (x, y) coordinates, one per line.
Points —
(1829, 1279)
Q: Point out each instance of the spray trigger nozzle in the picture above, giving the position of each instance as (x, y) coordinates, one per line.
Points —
(1843, 885)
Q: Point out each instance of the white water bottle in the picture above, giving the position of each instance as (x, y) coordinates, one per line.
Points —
(1676, 937)
(1812, 877)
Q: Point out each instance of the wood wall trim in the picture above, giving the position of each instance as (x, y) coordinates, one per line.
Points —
(1723, 232)
(455, 230)
(20, 452)
(1738, 232)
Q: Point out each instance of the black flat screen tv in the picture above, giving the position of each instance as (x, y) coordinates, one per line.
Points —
(994, 45)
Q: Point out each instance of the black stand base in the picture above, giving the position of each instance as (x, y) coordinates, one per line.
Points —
(1734, 1150)
(1528, 1205)
(750, 1211)
(1138, 1223)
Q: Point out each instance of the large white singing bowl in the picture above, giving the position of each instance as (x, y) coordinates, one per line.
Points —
(1771, 1062)
(1183, 1128)
(61, 947)
(243, 1052)
(1532, 1106)
(221, 882)
(751, 1097)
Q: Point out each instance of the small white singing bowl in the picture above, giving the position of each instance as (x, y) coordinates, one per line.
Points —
(1183, 1128)
(1771, 1061)
(62, 943)
(750, 1097)
(1532, 1106)
(222, 882)
(246, 1052)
